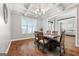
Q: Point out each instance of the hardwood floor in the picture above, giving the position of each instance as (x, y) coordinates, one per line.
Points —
(70, 48)
(27, 48)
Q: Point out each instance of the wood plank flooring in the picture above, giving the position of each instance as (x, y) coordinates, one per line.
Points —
(27, 48)
(70, 48)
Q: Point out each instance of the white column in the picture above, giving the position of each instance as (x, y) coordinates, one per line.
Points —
(77, 37)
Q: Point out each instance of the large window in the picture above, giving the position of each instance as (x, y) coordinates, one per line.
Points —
(51, 26)
(28, 25)
(69, 26)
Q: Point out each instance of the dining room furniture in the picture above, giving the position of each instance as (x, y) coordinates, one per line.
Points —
(40, 40)
(56, 41)
(51, 41)
(36, 37)
(48, 32)
(60, 43)
(45, 40)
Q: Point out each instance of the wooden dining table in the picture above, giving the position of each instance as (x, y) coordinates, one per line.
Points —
(51, 37)
(52, 40)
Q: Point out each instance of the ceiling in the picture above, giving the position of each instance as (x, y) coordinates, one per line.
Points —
(26, 9)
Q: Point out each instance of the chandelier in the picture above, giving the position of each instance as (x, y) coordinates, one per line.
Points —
(39, 11)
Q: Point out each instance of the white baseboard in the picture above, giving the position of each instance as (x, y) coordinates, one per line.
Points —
(15, 40)
(8, 48)
(77, 46)
(21, 39)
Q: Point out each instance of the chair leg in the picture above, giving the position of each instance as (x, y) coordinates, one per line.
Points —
(34, 42)
(62, 53)
(38, 46)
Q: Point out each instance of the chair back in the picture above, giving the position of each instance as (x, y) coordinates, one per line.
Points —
(62, 46)
(36, 36)
(54, 32)
(36, 33)
(62, 36)
(48, 32)
(40, 35)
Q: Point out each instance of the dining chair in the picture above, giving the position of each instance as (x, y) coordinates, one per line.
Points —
(36, 37)
(60, 43)
(36, 41)
(54, 32)
(40, 40)
(48, 32)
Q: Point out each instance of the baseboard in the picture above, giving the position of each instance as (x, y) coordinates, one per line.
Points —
(77, 46)
(8, 48)
(70, 35)
(15, 40)
(22, 39)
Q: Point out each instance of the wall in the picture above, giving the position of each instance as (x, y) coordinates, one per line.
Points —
(16, 32)
(39, 23)
(4, 31)
(45, 24)
(70, 13)
(67, 13)
(15, 25)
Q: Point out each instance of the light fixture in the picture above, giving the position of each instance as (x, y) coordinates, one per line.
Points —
(39, 11)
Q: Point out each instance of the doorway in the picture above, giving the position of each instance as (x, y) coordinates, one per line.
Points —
(69, 26)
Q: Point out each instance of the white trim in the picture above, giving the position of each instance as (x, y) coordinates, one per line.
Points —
(21, 39)
(77, 46)
(8, 47)
(15, 40)
(76, 28)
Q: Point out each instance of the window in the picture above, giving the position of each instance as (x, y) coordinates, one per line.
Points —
(28, 25)
(51, 26)
(68, 25)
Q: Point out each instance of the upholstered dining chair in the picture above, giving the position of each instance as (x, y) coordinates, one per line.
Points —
(54, 32)
(39, 39)
(60, 44)
(36, 41)
(36, 37)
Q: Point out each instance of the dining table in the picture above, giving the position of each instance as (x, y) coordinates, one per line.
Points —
(51, 36)
(52, 40)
